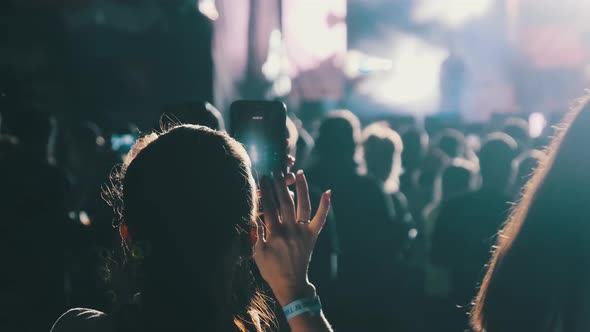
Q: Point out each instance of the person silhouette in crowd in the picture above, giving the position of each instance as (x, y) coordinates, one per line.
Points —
(323, 268)
(538, 277)
(419, 188)
(88, 165)
(451, 142)
(33, 202)
(367, 253)
(188, 220)
(523, 167)
(519, 130)
(415, 143)
(467, 224)
(383, 149)
(304, 144)
(428, 182)
(198, 113)
(453, 78)
(459, 178)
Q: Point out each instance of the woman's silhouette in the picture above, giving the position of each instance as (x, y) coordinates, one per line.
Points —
(188, 206)
(539, 276)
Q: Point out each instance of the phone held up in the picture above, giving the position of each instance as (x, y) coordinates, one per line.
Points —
(261, 127)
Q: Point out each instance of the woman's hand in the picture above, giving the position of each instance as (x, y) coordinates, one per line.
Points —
(283, 255)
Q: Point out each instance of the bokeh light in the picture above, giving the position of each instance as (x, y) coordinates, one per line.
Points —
(413, 81)
(537, 124)
(452, 13)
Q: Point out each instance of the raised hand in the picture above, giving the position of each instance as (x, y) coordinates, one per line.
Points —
(288, 236)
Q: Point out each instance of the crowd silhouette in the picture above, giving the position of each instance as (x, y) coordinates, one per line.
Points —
(412, 225)
(152, 221)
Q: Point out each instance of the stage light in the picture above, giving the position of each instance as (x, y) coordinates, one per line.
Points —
(314, 30)
(537, 124)
(413, 82)
(208, 8)
(315, 38)
(452, 13)
(276, 67)
(358, 63)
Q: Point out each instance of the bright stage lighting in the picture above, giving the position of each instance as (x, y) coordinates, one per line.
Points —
(413, 82)
(358, 63)
(452, 13)
(314, 30)
(208, 8)
(537, 124)
(315, 38)
(276, 67)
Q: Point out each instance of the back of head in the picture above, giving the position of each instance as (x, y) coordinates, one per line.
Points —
(82, 143)
(338, 137)
(415, 145)
(524, 165)
(383, 148)
(188, 203)
(538, 276)
(519, 130)
(451, 142)
(197, 113)
(495, 160)
(86, 136)
(429, 175)
(459, 177)
(33, 128)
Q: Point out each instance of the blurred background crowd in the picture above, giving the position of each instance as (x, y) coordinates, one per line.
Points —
(426, 121)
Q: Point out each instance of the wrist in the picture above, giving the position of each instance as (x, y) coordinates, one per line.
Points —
(289, 293)
(309, 305)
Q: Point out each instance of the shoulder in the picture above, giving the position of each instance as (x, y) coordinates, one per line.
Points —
(81, 319)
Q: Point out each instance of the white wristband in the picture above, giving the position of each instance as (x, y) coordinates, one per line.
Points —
(311, 305)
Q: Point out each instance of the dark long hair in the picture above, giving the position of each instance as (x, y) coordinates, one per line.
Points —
(539, 271)
(187, 203)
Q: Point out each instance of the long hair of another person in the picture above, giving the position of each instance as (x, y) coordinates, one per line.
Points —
(539, 273)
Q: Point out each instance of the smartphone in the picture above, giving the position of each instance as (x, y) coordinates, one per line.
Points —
(261, 127)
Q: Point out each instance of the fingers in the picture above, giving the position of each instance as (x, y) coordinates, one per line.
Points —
(269, 206)
(290, 161)
(290, 179)
(286, 204)
(303, 202)
(320, 217)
